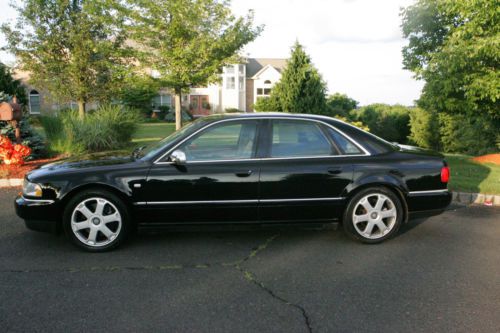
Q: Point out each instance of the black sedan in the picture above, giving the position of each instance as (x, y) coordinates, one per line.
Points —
(240, 168)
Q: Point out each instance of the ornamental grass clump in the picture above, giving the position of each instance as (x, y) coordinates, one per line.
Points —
(109, 127)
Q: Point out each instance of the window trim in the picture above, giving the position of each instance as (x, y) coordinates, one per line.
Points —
(366, 152)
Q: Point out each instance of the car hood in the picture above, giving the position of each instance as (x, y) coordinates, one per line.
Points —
(81, 163)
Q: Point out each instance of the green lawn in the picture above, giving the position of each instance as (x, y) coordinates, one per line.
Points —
(151, 132)
(469, 176)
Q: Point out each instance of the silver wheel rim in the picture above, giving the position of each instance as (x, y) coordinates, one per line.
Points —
(96, 222)
(374, 216)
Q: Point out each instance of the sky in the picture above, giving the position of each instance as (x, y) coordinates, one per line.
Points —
(355, 44)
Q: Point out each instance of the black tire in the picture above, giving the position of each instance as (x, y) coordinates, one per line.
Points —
(394, 222)
(115, 204)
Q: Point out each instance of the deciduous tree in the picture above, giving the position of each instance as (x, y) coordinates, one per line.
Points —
(188, 41)
(74, 49)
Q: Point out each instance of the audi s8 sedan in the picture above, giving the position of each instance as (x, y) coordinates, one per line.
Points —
(259, 168)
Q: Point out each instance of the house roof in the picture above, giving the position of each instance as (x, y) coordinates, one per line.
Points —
(254, 65)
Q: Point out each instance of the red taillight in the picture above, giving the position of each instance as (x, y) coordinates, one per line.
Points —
(445, 174)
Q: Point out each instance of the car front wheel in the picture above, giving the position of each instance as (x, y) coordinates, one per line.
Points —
(373, 215)
(96, 220)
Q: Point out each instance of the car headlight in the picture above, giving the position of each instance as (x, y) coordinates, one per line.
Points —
(31, 189)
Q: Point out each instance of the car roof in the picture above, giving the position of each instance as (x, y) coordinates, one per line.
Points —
(216, 117)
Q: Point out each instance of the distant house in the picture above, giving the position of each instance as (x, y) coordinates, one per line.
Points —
(239, 88)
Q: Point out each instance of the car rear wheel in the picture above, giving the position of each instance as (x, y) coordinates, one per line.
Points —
(96, 220)
(373, 215)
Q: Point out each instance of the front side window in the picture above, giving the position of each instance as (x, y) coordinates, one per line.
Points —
(227, 141)
(296, 138)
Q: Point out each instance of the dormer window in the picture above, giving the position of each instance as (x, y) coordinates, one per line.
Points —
(267, 82)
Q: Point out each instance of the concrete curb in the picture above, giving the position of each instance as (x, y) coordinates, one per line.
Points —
(11, 182)
(476, 198)
(459, 197)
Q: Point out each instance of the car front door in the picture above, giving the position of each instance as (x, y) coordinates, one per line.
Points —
(218, 182)
(303, 174)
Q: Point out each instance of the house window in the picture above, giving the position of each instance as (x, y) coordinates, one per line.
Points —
(230, 70)
(241, 69)
(162, 100)
(230, 82)
(267, 82)
(34, 101)
(263, 91)
(241, 83)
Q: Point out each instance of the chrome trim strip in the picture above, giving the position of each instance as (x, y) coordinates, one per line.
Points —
(367, 153)
(142, 203)
(301, 199)
(38, 200)
(428, 192)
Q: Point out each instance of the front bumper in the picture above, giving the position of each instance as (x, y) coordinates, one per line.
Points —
(39, 215)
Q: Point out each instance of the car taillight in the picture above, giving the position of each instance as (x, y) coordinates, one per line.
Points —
(445, 174)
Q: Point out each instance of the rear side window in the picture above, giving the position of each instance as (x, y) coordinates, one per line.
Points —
(296, 138)
(344, 144)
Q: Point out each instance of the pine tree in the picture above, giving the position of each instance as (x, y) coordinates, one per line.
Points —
(301, 88)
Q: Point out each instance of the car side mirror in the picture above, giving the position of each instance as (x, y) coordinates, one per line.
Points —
(178, 157)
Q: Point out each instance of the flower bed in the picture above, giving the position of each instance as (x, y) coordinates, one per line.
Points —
(18, 171)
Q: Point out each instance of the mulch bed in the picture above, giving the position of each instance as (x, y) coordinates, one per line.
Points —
(490, 158)
(18, 171)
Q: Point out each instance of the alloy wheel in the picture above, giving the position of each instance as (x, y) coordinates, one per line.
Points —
(374, 216)
(96, 222)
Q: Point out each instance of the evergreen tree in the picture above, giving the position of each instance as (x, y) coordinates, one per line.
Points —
(301, 88)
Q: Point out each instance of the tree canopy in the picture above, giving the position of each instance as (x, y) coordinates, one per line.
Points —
(455, 47)
(72, 48)
(340, 104)
(187, 42)
(10, 86)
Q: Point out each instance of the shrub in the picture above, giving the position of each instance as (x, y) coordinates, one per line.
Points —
(468, 135)
(107, 128)
(339, 105)
(233, 110)
(424, 129)
(390, 122)
(185, 116)
(264, 104)
(29, 137)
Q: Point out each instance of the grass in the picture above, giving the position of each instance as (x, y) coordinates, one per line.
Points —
(152, 132)
(470, 176)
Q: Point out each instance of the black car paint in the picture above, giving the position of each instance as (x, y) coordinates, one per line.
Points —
(267, 190)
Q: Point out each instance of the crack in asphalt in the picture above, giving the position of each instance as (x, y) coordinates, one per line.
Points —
(247, 275)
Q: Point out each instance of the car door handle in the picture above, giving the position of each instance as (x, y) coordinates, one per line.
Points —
(334, 170)
(244, 173)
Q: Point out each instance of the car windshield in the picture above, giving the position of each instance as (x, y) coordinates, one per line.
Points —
(147, 152)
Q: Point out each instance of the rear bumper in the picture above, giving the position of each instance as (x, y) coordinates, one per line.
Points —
(38, 215)
(428, 203)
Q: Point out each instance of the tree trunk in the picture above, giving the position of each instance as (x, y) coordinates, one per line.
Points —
(81, 109)
(178, 114)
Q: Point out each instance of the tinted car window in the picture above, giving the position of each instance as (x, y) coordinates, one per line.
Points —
(344, 144)
(227, 141)
(292, 138)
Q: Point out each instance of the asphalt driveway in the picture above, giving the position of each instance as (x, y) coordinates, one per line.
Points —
(441, 274)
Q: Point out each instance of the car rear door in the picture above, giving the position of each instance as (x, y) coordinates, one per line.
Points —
(218, 183)
(303, 173)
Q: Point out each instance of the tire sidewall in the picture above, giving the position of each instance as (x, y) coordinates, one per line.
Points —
(348, 222)
(86, 194)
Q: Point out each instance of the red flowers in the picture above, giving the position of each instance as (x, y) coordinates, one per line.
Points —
(12, 154)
